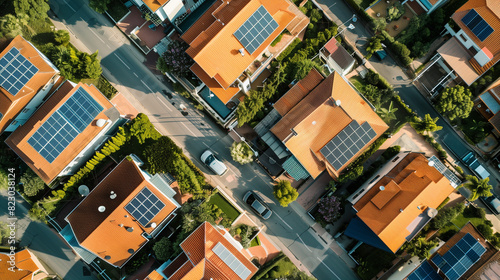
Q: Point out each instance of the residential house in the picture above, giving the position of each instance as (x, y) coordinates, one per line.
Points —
(399, 200)
(424, 6)
(227, 39)
(161, 10)
(488, 104)
(208, 253)
(466, 255)
(65, 131)
(121, 214)
(336, 57)
(325, 124)
(25, 266)
(473, 47)
(26, 78)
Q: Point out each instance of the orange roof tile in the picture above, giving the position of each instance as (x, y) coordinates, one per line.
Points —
(154, 275)
(312, 125)
(24, 267)
(154, 5)
(489, 10)
(209, 36)
(18, 140)
(105, 233)
(203, 263)
(225, 95)
(410, 185)
(12, 105)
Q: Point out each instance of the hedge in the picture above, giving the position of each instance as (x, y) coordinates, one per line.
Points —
(268, 266)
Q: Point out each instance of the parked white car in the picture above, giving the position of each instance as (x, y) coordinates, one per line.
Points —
(213, 162)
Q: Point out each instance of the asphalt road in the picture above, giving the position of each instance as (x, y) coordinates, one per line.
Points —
(122, 64)
(44, 242)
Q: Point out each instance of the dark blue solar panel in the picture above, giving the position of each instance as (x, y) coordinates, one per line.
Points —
(15, 71)
(424, 272)
(477, 25)
(144, 206)
(55, 134)
(256, 29)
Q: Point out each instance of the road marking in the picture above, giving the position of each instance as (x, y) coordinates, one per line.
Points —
(123, 62)
(135, 74)
(147, 86)
(282, 220)
(188, 129)
(328, 268)
(159, 99)
(69, 6)
(307, 247)
(97, 35)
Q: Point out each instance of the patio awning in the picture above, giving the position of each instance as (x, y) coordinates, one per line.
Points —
(293, 167)
(457, 57)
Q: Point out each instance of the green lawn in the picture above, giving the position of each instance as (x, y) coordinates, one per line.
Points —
(456, 224)
(372, 260)
(226, 207)
(255, 242)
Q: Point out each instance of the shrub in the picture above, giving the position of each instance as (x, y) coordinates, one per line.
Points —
(474, 212)
(241, 153)
(445, 216)
(277, 40)
(352, 174)
(32, 184)
(177, 61)
(391, 152)
(443, 203)
(285, 193)
(330, 209)
(163, 249)
(485, 230)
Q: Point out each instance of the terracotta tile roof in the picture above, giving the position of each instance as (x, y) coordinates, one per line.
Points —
(225, 95)
(311, 121)
(154, 4)
(298, 92)
(101, 232)
(12, 105)
(18, 140)
(489, 10)
(178, 262)
(412, 183)
(203, 263)
(209, 36)
(25, 267)
(154, 275)
(458, 58)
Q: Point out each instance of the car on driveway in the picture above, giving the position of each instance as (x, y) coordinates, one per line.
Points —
(257, 204)
(213, 162)
(492, 202)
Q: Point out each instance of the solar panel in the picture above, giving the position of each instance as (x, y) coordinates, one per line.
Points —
(256, 29)
(230, 260)
(15, 71)
(61, 128)
(465, 253)
(347, 143)
(144, 206)
(477, 25)
(424, 272)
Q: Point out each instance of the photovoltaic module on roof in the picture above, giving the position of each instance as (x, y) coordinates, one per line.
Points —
(15, 71)
(61, 128)
(144, 206)
(477, 25)
(256, 29)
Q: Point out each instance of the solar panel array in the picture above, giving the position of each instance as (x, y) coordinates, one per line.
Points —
(228, 258)
(454, 180)
(424, 272)
(144, 206)
(460, 257)
(256, 29)
(55, 134)
(15, 71)
(477, 25)
(347, 143)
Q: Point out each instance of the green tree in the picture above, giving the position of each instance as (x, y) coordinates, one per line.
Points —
(485, 230)
(11, 26)
(374, 44)
(420, 247)
(32, 184)
(285, 193)
(445, 215)
(163, 249)
(379, 24)
(249, 107)
(4, 181)
(455, 102)
(387, 114)
(4, 231)
(99, 6)
(161, 65)
(92, 65)
(428, 124)
(62, 37)
(176, 59)
(35, 9)
(478, 187)
(241, 152)
(302, 68)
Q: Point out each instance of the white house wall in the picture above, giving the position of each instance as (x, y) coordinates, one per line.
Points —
(173, 8)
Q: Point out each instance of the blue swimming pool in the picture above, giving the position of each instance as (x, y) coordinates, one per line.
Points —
(218, 106)
(426, 3)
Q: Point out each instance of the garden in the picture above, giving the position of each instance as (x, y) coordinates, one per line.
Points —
(371, 261)
(225, 206)
(280, 267)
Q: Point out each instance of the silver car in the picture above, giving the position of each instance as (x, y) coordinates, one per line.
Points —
(213, 162)
(257, 205)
